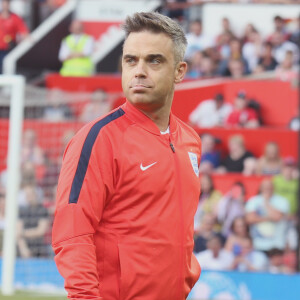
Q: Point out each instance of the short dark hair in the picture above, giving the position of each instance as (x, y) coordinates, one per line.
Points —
(158, 23)
(274, 252)
(219, 97)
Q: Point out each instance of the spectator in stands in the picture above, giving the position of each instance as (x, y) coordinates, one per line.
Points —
(13, 30)
(57, 109)
(234, 162)
(282, 261)
(32, 225)
(230, 207)
(223, 46)
(235, 64)
(249, 260)
(295, 37)
(236, 68)
(281, 46)
(100, 105)
(287, 69)
(215, 257)
(224, 37)
(31, 151)
(286, 184)
(266, 61)
(242, 115)
(270, 163)
(279, 26)
(194, 65)
(28, 178)
(210, 113)
(249, 29)
(49, 178)
(290, 260)
(197, 40)
(175, 9)
(75, 52)
(250, 166)
(266, 213)
(251, 49)
(204, 231)
(210, 157)
(207, 67)
(208, 200)
(276, 264)
(52, 169)
(239, 232)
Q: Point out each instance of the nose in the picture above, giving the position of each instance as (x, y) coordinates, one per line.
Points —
(140, 71)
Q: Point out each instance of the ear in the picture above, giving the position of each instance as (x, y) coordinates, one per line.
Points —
(180, 71)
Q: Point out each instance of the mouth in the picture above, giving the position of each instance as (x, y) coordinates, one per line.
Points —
(139, 87)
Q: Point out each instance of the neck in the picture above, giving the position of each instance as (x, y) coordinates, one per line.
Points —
(267, 196)
(237, 154)
(5, 13)
(161, 117)
(215, 254)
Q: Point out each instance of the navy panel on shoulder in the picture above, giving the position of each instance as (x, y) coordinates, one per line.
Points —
(86, 153)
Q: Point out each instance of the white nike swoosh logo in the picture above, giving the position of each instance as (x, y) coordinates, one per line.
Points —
(147, 167)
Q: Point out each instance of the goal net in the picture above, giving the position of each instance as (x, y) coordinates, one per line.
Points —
(33, 138)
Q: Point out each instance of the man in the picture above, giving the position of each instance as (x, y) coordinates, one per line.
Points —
(231, 206)
(12, 30)
(215, 257)
(281, 46)
(266, 214)
(211, 157)
(237, 154)
(249, 259)
(286, 185)
(242, 115)
(33, 223)
(129, 185)
(75, 52)
(197, 40)
(211, 112)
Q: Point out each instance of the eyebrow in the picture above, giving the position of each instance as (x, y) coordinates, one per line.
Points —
(153, 56)
(148, 57)
(128, 56)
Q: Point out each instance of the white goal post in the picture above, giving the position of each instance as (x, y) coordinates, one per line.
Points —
(15, 84)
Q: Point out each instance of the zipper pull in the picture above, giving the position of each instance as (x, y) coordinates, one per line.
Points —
(172, 147)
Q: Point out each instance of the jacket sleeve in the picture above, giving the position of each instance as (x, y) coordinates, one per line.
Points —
(84, 185)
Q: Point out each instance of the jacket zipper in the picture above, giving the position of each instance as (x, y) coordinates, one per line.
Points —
(177, 172)
(172, 146)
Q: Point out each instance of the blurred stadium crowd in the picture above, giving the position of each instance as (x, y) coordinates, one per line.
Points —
(232, 232)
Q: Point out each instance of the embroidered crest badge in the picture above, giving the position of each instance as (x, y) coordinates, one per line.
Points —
(194, 162)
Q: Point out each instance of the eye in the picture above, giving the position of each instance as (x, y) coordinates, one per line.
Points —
(155, 61)
(130, 60)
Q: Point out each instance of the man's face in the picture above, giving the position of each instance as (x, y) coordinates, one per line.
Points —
(76, 27)
(149, 71)
(267, 187)
(5, 6)
(240, 103)
(214, 245)
(196, 28)
(277, 39)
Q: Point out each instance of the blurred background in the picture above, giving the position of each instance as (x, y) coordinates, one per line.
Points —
(241, 95)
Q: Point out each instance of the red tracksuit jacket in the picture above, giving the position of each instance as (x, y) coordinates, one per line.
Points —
(127, 196)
